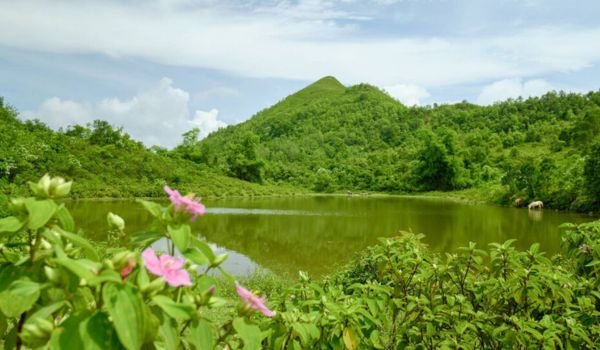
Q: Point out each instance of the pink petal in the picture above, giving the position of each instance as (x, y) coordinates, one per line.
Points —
(168, 262)
(256, 303)
(126, 271)
(177, 277)
(151, 261)
(243, 292)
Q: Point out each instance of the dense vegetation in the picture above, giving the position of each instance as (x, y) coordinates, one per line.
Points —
(327, 137)
(104, 159)
(58, 291)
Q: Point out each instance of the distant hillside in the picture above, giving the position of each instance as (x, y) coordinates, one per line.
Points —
(104, 162)
(327, 137)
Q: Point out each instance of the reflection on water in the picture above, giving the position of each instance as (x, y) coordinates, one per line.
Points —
(236, 263)
(536, 215)
(316, 234)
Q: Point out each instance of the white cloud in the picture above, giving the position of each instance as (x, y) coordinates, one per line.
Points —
(156, 115)
(512, 88)
(408, 94)
(294, 40)
(207, 122)
(57, 113)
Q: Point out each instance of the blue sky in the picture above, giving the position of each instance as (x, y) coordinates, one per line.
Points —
(161, 67)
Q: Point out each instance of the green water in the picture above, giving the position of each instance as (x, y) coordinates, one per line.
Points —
(316, 234)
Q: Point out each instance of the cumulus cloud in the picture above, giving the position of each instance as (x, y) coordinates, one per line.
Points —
(512, 88)
(57, 113)
(207, 122)
(157, 115)
(408, 94)
(302, 40)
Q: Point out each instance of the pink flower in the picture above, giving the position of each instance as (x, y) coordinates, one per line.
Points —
(168, 267)
(127, 270)
(188, 203)
(254, 302)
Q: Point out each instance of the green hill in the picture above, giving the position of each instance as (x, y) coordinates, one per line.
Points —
(104, 161)
(327, 137)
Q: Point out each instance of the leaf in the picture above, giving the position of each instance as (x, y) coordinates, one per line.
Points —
(196, 256)
(174, 309)
(128, 313)
(181, 236)
(250, 334)
(350, 338)
(10, 225)
(40, 212)
(202, 335)
(307, 333)
(85, 331)
(64, 218)
(145, 239)
(205, 248)
(46, 311)
(19, 297)
(151, 207)
(90, 251)
(79, 268)
(168, 332)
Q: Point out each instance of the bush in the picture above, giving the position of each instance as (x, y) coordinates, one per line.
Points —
(58, 291)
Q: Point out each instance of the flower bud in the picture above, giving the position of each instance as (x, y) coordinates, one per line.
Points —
(219, 260)
(53, 275)
(115, 221)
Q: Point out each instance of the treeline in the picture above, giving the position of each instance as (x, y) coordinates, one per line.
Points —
(106, 161)
(328, 138)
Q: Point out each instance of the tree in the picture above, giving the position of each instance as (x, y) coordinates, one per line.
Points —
(591, 172)
(436, 170)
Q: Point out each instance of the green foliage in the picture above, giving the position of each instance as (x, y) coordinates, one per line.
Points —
(108, 163)
(328, 137)
(56, 291)
(592, 172)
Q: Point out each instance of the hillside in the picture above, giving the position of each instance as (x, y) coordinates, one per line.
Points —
(327, 137)
(104, 161)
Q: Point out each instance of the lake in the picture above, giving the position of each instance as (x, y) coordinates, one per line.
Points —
(318, 233)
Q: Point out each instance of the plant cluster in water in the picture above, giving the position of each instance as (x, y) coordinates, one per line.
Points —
(58, 292)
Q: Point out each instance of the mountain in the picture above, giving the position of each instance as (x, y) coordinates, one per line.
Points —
(328, 137)
(103, 161)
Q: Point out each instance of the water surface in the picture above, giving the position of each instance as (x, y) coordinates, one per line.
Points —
(316, 234)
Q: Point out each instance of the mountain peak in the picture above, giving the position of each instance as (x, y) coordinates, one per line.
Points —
(324, 87)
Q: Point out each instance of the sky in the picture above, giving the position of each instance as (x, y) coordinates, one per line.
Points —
(158, 68)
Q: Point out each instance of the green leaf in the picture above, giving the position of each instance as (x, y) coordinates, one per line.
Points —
(85, 331)
(20, 296)
(196, 256)
(205, 282)
(250, 334)
(205, 248)
(181, 236)
(82, 269)
(202, 335)
(88, 248)
(10, 225)
(350, 338)
(3, 324)
(174, 309)
(46, 311)
(40, 212)
(64, 218)
(306, 332)
(128, 313)
(169, 334)
(145, 239)
(153, 208)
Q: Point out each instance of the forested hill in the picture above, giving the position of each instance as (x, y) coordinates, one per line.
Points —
(328, 137)
(104, 162)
